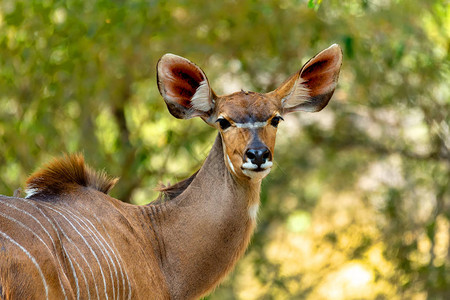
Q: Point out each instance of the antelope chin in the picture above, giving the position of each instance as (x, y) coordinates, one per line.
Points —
(256, 174)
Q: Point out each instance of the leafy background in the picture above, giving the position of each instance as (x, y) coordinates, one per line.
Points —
(358, 205)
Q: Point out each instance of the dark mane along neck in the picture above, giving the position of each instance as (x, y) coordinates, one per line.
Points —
(172, 191)
(64, 174)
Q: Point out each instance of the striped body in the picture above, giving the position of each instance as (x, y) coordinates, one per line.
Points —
(66, 250)
(70, 240)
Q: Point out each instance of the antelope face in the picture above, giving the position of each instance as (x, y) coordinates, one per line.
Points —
(248, 125)
(247, 121)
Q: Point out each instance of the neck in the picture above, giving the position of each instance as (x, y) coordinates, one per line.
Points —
(203, 231)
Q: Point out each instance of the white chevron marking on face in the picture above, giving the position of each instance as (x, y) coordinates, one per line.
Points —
(252, 125)
(231, 165)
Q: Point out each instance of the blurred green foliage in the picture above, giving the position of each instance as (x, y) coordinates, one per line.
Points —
(358, 206)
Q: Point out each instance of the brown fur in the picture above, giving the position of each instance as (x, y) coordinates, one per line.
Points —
(172, 191)
(206, 229)
(178, 247)
(11, 277)
(60, 175)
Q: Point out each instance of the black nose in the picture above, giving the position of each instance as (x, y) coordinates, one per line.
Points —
(258, 156)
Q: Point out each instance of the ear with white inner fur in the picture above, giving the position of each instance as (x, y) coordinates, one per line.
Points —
(311, 88)
(184, 87)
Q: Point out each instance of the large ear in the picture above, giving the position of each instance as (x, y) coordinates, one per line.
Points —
(311, 88)
(184, 87)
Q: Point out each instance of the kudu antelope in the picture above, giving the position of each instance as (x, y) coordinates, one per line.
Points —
(68, 239)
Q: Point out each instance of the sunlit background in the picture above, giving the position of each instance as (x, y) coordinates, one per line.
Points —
(358, 204)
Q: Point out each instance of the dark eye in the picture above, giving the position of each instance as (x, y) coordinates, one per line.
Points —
(223, 123)
(275, 120)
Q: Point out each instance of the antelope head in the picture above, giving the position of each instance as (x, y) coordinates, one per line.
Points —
(247, 121)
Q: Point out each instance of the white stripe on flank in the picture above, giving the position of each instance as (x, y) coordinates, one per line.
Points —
(31, 258)
(100, 245)
(49, 236)
(92, 232)
(74, 273)
(110, 248)
(35, 234)
(70, 241)
(79, 267)
(48, 220)
(87, 244)
(120, 265)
